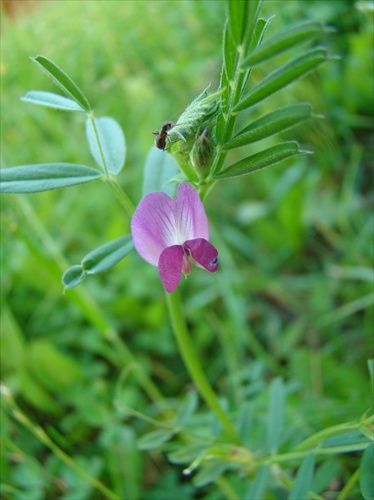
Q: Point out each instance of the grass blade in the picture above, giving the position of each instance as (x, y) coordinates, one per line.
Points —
(304, 479)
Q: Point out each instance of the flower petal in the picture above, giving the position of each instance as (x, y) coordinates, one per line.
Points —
(190, 216)
(203, 253)
(170, 267)
(153, 226)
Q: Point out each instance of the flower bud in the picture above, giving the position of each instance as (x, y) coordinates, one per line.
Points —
(202, 153)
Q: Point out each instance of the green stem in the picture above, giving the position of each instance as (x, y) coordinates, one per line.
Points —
(349, 485)
(192, 363)
(121, 196)
(40, 434)
(118, 191)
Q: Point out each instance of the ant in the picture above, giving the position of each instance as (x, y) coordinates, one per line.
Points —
(162, 134)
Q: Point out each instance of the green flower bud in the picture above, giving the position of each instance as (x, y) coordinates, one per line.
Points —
(202, 153)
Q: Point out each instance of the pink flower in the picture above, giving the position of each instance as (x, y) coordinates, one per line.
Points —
(173, 233)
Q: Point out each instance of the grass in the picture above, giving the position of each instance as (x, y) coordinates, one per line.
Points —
(293, 298)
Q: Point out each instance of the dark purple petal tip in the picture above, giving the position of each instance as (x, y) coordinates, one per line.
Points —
(203, 253)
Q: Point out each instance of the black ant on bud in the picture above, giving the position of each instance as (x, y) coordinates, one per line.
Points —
(162, 134)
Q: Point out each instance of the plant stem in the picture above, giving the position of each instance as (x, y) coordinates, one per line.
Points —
(40, 434)
(121, 196)
(112, 181)
(192, 363)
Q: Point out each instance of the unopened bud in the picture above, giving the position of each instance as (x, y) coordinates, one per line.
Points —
(202, 153)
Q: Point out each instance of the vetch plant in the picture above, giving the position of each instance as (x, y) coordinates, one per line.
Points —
(171, 231)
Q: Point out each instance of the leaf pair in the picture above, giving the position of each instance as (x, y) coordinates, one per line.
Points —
(98, 261)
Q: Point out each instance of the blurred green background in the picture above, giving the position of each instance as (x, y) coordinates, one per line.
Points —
(294, 293)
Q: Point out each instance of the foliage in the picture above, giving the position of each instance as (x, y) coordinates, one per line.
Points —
(95, 399)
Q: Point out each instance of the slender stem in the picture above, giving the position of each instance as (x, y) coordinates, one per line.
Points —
(98, 143)
(40, 434)
(349, 485)
(112, 181)
(121, 196)
(192, 363)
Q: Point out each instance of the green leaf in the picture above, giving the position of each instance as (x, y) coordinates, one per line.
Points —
(288, 38)
(51, 100)
(367, 473)
(154, 439)
(99, 260)
(237, 17)
(260, 160)
(108, 255)
(257, 489)
(304, 479)
(270, 124)
(325, 474)
(159, 169)
(44, 177)
(186, 409)
(62, 80)
(283, 76)
(209, 474)
(275, 414)
(229, 54)
(251, 24)
(112, 142)
(73, 276)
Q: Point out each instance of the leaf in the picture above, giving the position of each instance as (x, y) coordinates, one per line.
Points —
(51, 100)
(159, 169)
(44, 177)
(229, 53)
(325, 474)
(257, 489)
(112, 142)
(154, 439)
(73, 277)
(251, 23)
(282, 76)
(367, 473)
(186, 409)
(209, 474)
(260, 160)
(108, 255)
(275, 414)
(288, 38)
(99, 260)
(237, 17)
(62, 80)
(304, 479)
(270, 124)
